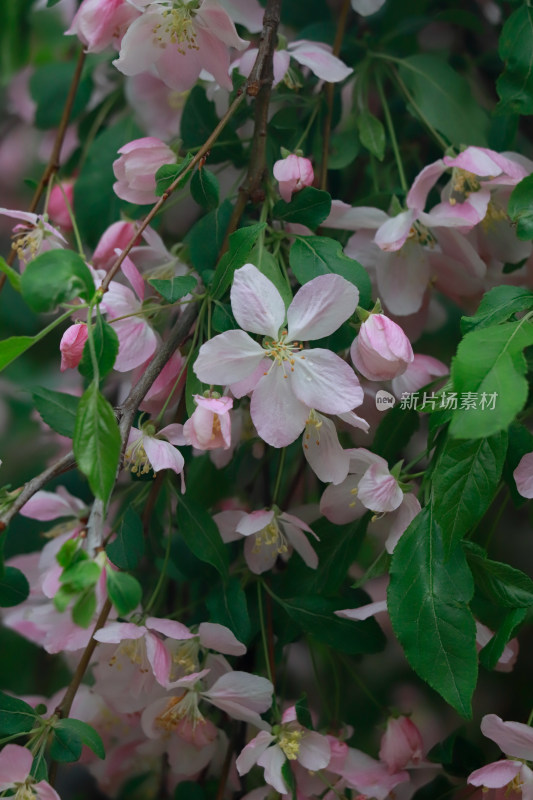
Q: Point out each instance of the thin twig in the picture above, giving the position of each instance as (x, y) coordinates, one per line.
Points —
(54, 161)
(330, 91)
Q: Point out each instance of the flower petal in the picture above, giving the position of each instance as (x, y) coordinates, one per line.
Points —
(273, 760)
(323, 451)
(253, 750)
(278, 415)
(513, 738)
(322, 380)
(256, 303)
(363, 612)
(158, 657)
(315, 751)
(320, 60)
(320, 307)
(495, 775)
(227, 358)
(163, 455)
(15, 765)
(218, 637)
(393, 233)
(379, 490)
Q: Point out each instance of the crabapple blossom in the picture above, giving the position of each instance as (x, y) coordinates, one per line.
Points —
(101, 23)
(114, 238)
(516, 741)
(317, 56)
(178, 41)
(147, 449)
(15, 767)
(135, 169)
(34, 235)
(292, 174)
(61, 197)
(381, 350)
(285, 380)
(72, 344)
(401, 744)
(322, 449)
(209, 427)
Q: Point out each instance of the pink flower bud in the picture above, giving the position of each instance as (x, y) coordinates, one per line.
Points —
(401, 744)
(381, 351)
(72, 344)
(135, 169)
(114, 238)
(422, 370)
(292, 174)
(58, 210)
(210, 426)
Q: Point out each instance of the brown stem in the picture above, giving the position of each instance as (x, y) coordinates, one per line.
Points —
(54, 160)
(330, 91)
(259, 84)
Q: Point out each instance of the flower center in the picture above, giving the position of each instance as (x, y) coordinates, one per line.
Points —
(179, 708)
(495, 213)
(270, 536)
(281, 351)
(177, 28)
(27, 241)
(135, 651)
(463, 184)
(186, 656)
(289, 741)
(135, 458)
(24, 791)
(312, 422)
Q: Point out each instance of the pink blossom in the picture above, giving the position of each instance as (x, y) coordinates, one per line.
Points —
(209, 427)
(157, 107)
(287, 741)
(317, 56)
(33, 235)
(368, 776)
(179, 42)
(135, 169)
(401, 744)
(516, 740)
(147, 449)
(381, 350)
(114, 238)
(58, 210)
(322, 449)
(15, 767)
(285, 380)
(101, 23)
(292, 174)
(523, 476)
(421, 371)
(72, 344)
(170, 379)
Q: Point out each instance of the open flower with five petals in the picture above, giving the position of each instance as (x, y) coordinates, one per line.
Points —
(285, 380)
(516, 741)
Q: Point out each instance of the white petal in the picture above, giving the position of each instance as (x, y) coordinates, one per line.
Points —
(324, 381)
(320, 61)
(278, 415)
(320, 307)
(323, 451)
(272, 760)
(229, 357)
(315, 751)
(256, 303)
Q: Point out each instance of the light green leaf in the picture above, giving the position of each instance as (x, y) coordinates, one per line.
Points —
(55, 277)
(16, 716)
(520, 207)
(125, 591)
(498, 305)
(205, 189)
(11, 274)
(502, 584)
(493, 650)
(11, 349)
(106, 348)
(83, 731)
(175, 288)
(428, 600)
(167, 174)
(97, 442)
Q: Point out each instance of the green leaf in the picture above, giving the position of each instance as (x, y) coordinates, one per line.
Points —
(227, 606)
(303, 715)
(55, 277)
(106, 347)
(308, 207)
(125, 591)
(500, 583)
(222, 319)
(16, 716)
(394, 432)
(428, 599)
(198, 121)
(491, 653)
(167, 174)
(175, 288)
(269, 266)
(49, 87)
(128, 548)
(205, 189)
(12, 348)
(241, 243)
(14, 587)
(520, 207)
(443, 98)
(498, 305)
(97, 442)
(371, 134)
(515, 84)
(188, 790)
(206, 236)
(66, 745)
(86, 733)
(344, 148)
(338, 547)
(489, 362)
(57, 409)
(288, 776)
(464, 482)
(319, 255)
(11, 274)
(84, 608)
(80, 576)
(315, 615)
(201, 536)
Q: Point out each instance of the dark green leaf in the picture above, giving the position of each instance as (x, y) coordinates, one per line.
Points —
(371, 134)
(500, 583)
(97, 442)
(16, 716)
(206, 236)
(106, 347)
(167, 174)
(198, 121)
(83, 731)
(12, 348)
(175, 288)
(288, 776)
(201, 535)
(395, 430)
(498, 305)
(338, 547)
(492, 652)
(308, 207)
(520, 207)
(66, 745)
(205, 189)
(11, 274)
(515, 84)
(57, 409)
(428, 599)
(269, 266)
(227, 606)
(84, 608)
(222, 318)
(241, 243)
(464, 481)
(303, 715)
(14, 587)
(188, 790)
(49, 87)
(127, 549)
(457, 755)
(55, 277)
(319, 255)
(125, 591)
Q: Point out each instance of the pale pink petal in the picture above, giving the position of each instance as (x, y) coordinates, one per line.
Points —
(421, 371)
(188, 681)
(350, 418)
(187, 759)
(401, 744)
(400, 520)
(242, 696)
(378, 490)
(45, 506)
(248, 384)
(339, 503)
(137, 49)
(227, 358)
(320, 60)
(423, 183)
(315, 752)
(43, 791)
(245, 12)
(169, 627)
(513, 738)
(254, 522)
(72, 344)
(322, 380)
(159, 658)
(278, 415)
(133, 275)
(367, 7)
(323, 451)
(253, 750)
(487, 164)
(163, 455)
(262, 558)
(227, 522)
(320, 307)
(256, 303)
(137, 343)
(363, 612)
(393, 233)
(301, 544)
(218, 637)
(217, 20)
(403, 277)
(15, 765)
(495, 775)
(272, 760)
(297, 522)
(116, 632)
(351, 218)
(461, 215)
(523, 476)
